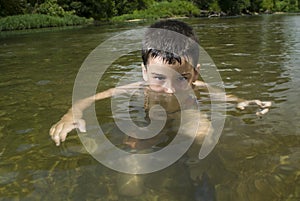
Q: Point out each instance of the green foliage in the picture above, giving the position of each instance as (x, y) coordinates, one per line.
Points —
(282, 5)
(234, 7)
(104, 9)
(50, 7)
(268, 5)
(204, 4)
(162, 9)
(287, 6)
(11, 7)
(120, 10)
(30, 21)
(255, 5)
(128, 6)
(97, 9)
(293, 5)
(214, 6)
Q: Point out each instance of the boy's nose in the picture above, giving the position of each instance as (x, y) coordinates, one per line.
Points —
(169, 88)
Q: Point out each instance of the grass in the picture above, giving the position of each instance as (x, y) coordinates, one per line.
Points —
(32, 21)
(162, 9)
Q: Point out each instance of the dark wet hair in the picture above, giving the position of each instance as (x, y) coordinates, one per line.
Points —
(172, 40)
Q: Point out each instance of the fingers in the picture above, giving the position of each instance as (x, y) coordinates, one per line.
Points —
(63, 134)
(52, 129)
(264, 105)
(56, 130)
(60, 130)
(81, 125)
(262, 112)
(242, 105)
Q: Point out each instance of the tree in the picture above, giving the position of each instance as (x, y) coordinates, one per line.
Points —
(255, 5)
(234, 7)
(203, 4)
(12, 7)
(127, 6)
(97, 9)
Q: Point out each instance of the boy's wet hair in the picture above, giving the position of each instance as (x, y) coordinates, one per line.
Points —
(172, 40)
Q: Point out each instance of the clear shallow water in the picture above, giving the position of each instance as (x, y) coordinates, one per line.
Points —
(255, 159)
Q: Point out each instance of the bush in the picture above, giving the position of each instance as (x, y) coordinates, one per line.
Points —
(11, 7)
(30, 21)
(162, 9)
(50, 7)
(282, 6)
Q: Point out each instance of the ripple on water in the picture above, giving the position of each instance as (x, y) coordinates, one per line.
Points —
(7, 177)
(24, 131)
(240, 54)
(24, 147)
(42, 82)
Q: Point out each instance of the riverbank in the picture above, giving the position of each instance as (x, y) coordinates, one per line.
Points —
(160, 10)
(35, 21)
(210, 15)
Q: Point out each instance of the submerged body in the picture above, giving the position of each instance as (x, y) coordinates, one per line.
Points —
(204, 189)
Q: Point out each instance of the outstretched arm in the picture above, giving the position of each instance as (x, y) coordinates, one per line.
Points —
(73, 118)
(241, 103)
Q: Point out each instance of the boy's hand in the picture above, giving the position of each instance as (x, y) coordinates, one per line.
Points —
(60, 130)
(199, 83)
(264, 105)
(242, 104)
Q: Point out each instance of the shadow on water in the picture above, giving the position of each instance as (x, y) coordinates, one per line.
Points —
(255, 159)
(205, 190)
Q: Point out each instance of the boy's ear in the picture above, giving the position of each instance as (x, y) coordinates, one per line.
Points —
(144, 70)
(197, 72)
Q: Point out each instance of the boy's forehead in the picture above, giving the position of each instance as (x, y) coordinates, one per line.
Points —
(159, 63)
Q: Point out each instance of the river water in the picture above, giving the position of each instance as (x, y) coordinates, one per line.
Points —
(255, 159)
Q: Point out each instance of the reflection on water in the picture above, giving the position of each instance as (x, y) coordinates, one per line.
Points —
(255, 159)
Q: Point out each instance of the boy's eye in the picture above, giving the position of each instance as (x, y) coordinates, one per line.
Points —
(182, 78)
(159, 77)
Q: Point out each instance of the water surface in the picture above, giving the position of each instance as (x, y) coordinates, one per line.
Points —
(255, 159)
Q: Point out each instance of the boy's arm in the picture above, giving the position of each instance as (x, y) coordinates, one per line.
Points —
(241, 103)
(73, 118)
(231, 98)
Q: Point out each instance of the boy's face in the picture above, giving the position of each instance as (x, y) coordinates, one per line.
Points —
(169, 78)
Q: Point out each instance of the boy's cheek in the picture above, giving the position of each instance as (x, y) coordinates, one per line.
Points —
(155, 85)
(159, 85)
(160, 88)
(156, 88)
(183, 86)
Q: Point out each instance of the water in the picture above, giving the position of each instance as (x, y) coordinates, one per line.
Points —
(255, 159)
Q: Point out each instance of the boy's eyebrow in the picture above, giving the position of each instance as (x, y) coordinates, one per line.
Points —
(157, 74)
(185, 74)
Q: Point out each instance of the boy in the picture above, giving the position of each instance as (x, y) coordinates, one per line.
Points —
(170, 66)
